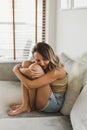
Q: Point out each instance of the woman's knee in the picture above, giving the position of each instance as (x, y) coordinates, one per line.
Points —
(26, 63)
(36, 68)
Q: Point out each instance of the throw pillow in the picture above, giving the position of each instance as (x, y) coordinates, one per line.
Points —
(83, 58)
(78, 113)
(74, 83)
(67, 61)
(83, 67)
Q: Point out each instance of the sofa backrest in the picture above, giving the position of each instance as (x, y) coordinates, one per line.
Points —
(6, 71)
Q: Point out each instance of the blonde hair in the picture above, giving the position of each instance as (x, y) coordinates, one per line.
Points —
(47, 52)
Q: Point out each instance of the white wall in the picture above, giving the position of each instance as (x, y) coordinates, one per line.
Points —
(52, 22)
(71, 33)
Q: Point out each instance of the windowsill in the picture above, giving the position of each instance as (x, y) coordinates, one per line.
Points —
(3, 60)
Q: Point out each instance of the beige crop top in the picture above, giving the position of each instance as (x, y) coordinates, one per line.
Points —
(59, 85)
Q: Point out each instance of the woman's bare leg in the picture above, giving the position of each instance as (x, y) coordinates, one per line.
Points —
(25, 98)
(29, 93)
(29, 98)
(42, 97)
(32, 97)
(24, 107)
(32, 94)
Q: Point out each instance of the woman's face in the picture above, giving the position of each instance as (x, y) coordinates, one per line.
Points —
(39, 59)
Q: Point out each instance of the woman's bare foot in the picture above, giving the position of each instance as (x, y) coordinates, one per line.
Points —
(19, 110)
(14, 107)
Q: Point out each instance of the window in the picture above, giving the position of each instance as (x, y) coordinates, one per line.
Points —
(72, 4)
(24, 27)
(6, 33)
(80, 3)
(65, 4)
(21, 25)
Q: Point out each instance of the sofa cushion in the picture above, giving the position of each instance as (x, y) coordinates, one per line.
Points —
(79, 111)
(74, 82)
(67, 61)
(10, 93)
(38, 123)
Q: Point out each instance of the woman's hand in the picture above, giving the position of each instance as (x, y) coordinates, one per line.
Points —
(32, 73)
(35, 73)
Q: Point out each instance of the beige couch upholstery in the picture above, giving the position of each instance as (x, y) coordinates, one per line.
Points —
(10, 93)
(75, 103)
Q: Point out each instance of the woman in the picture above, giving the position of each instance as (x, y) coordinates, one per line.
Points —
(44, 83)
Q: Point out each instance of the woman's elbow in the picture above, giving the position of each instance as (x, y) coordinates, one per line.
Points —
(14, 69)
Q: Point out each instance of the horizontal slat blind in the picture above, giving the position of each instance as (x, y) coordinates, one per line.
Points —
(17, 27)
(44, 21)
(25, 29)
(6, 31)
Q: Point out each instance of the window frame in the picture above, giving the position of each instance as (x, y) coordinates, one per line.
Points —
(71, 5)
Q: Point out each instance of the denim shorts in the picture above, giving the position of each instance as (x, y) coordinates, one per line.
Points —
(54, 103)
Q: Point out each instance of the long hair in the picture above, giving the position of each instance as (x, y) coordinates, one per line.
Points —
(47, 52)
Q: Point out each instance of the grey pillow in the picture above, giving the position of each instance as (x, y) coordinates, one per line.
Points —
(74, 83)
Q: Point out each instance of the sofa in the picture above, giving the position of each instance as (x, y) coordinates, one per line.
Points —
(73, 114)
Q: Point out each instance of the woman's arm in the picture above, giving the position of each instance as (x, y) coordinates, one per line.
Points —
(43, 80)
(24, 68)
(33, 71)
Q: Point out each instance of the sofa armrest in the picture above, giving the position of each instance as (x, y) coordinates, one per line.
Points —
(78, 113)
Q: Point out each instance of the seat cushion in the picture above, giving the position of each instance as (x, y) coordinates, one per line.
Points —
(38, 123)
(10, 93)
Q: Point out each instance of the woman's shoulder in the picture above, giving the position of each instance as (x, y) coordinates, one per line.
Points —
(60, 71)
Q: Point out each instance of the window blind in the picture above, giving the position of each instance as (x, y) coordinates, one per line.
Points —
(44, 21)
(6, 31)
(21, 26)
